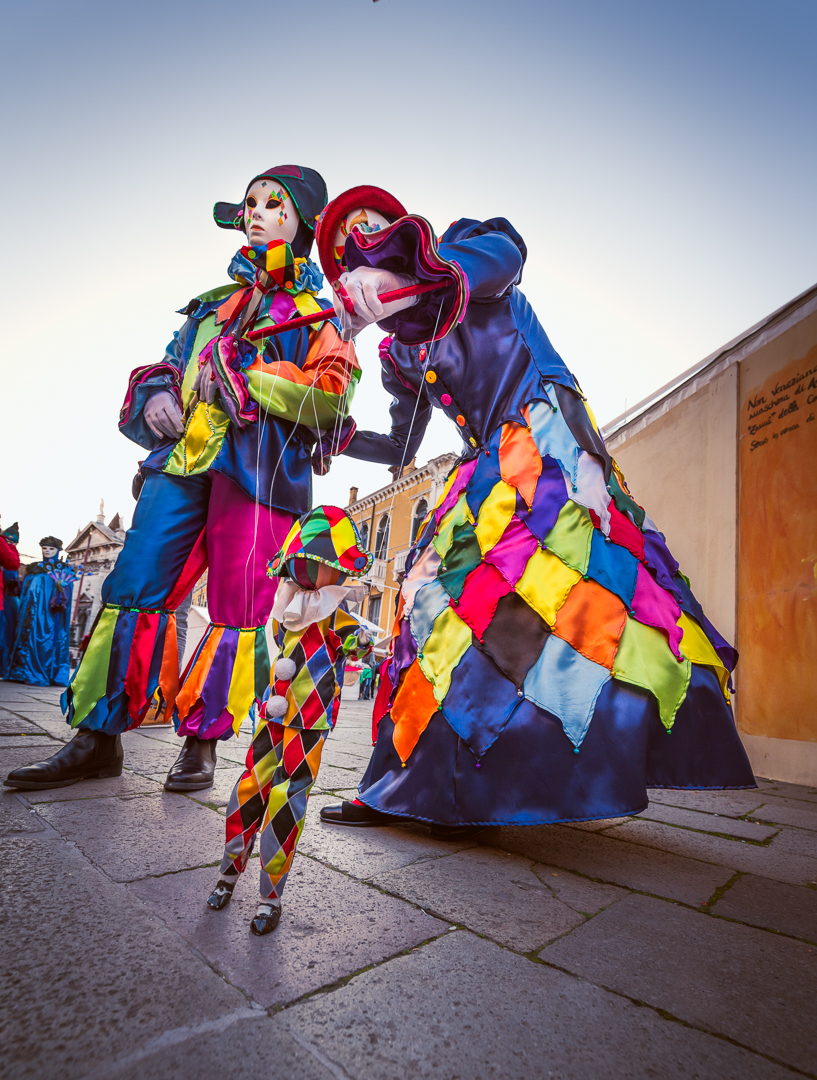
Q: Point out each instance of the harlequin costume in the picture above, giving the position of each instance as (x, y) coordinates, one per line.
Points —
(40, 652)
(316, 634)
(549, 661)
(223, 497)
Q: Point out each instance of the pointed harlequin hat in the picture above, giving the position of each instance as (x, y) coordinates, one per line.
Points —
(326, 536)
(307, 189)
(12, 533)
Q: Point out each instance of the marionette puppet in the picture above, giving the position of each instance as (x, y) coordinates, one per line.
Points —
(9, 594)
(549, 661)
(316, 567)
(40, 652)
(230, 427)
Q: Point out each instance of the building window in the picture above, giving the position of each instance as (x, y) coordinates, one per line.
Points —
(364, 535)
(420, 511)
(374, 609)
(381, 544)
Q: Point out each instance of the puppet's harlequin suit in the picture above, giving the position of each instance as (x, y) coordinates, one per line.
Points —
(224, 495)
(545, 642)
(302, 707)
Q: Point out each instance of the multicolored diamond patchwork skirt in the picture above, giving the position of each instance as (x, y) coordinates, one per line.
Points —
(544, 648)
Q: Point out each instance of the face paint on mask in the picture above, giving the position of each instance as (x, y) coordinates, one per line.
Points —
(269, 214)
(365, 220)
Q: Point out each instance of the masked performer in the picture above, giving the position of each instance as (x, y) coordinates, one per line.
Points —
(9, 593)
(316, 634)
(40, 651)
(230, 431)
(549, 661)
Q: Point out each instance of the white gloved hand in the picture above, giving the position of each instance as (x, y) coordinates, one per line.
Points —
(163, 415)
(364, 637)
(205, 385)
(363, 286)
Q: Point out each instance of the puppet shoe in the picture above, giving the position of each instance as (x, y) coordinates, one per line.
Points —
(90, 755)
(195, 766)
(222, 894)
(355, 814)
(266, 919)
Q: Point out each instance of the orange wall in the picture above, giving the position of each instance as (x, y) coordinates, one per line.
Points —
(777, 531)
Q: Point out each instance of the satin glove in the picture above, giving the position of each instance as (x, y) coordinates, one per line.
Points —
(205, 385)
(163, 415)
(363, 286)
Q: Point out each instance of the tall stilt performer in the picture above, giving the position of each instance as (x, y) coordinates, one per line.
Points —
(549, 660)
(230, 430)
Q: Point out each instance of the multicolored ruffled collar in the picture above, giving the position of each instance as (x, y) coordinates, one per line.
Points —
(291, 275)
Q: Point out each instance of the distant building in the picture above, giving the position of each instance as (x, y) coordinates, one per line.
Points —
(388, 521)
(96, 546)
(725, 460)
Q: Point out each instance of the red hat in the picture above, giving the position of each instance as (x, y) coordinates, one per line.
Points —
(329, 220)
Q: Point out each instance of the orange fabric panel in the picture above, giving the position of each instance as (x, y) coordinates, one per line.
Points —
(328, 366)
(194, 683)
(169, 671)
(413, 707)
(519, 460)
(592, 621)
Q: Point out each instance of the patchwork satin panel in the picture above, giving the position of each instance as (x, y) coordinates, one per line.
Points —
(540, 582)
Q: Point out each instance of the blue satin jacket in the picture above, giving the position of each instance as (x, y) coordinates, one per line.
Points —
(487, 368)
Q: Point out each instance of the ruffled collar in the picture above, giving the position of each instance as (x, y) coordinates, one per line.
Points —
(306, 275)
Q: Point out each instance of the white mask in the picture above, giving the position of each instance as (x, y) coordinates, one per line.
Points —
(269, 213)
(48, 551)
(363, 215)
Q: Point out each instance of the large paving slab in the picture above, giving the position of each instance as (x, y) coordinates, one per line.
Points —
(366, 852)
(332, 778)
(218, 794)
(799, 841)
(710, 823)
(89, 974)
(495, 894)
(116, 786)
(331, 926)
(756, 988)
(612, 860)
(16, 725)
(139, 835)
(727, 803)
(248, 1049)
(790, 909)
(462, 1008)
(789, 791)
(772, 861)
(148, 756)
(16, 818)
(782, 811)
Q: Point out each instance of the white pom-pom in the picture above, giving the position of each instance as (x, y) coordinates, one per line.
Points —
(284, 669)
(275, 707)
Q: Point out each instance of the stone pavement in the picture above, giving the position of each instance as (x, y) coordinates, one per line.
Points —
(681, 943)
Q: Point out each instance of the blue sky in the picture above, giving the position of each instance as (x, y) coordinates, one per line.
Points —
(658, 158)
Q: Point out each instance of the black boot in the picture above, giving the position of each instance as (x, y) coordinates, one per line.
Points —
(266, 919)
(195, 766)
(90, 755)
(356, 814)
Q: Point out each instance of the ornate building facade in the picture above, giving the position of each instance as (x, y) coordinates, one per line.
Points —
(388, 521)
(95, 547)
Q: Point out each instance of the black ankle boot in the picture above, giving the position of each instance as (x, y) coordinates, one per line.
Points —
(90, 755)
(195, 766)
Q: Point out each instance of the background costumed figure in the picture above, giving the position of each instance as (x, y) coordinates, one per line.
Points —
(40, 651)
(316, 634)
(9, 594)
(545, 643)
(229, 429)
